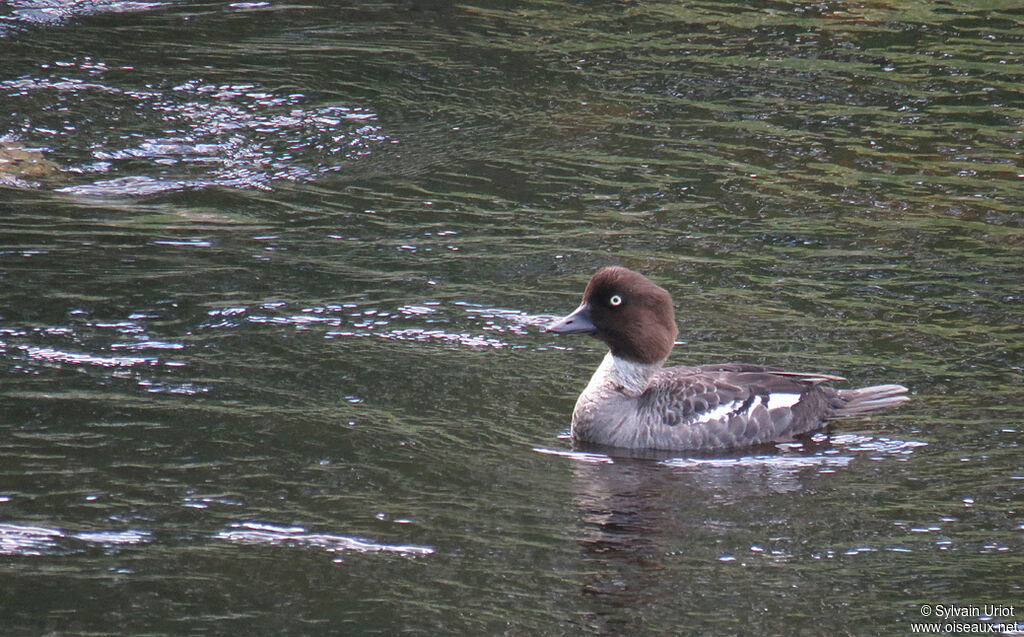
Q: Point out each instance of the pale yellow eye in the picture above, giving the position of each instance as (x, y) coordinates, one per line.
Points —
(615, 301)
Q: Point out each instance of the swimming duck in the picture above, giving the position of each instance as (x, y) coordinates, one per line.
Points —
(633, 401)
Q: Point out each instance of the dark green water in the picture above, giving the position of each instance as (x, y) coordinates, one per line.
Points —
(273, 276)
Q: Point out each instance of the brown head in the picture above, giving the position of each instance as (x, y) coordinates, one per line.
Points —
(627, 311)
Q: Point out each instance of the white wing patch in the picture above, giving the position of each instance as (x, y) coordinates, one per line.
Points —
(715, 414)
(778, 401)
(775, 401)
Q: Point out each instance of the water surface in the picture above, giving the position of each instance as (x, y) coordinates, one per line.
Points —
(273, 278)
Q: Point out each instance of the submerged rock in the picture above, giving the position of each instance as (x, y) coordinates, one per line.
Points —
(22, 167)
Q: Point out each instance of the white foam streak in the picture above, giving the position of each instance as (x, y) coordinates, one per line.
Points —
(263, 533)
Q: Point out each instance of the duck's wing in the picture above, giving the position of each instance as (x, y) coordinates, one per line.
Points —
(743, 373)
(734, 405)
(686, 396)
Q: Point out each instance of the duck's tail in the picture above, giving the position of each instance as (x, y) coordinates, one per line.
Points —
(857, 402)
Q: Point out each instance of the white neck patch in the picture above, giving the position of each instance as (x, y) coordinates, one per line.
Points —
(632, 377)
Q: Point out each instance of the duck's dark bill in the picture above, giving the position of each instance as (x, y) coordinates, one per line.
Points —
(576, 323)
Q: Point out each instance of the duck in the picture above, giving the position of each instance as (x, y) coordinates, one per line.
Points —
(633, 401)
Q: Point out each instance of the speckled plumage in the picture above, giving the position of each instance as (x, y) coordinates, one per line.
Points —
(632, 401)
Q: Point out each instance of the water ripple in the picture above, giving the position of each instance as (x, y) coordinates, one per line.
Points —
(233, 135)
(53, 12)
(20, 539)
(374, 321)
(839, 452)
(52, 354)
(273, 535)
